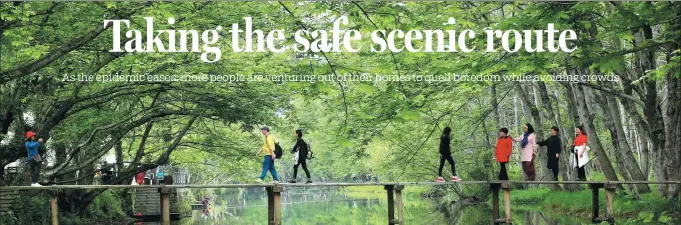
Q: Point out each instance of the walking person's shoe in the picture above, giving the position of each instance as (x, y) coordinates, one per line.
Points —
(36, 185)
(275, 181)
(309, 181)
(455, 179)
(292, 181)
(440, 180)
(258, 180)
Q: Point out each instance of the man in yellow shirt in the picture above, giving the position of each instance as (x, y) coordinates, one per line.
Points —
(268, 150)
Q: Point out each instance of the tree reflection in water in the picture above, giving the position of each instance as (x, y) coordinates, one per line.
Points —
(336, 207)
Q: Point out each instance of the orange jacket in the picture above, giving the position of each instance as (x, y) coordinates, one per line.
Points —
(503, 150)
(580, 140)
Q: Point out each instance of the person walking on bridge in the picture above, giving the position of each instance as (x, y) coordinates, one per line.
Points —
(299, 152)
(553, 147)
(528, 145)
(580, 148)
(34, 158)
(502, 152)
(268, 162)
(446, 154)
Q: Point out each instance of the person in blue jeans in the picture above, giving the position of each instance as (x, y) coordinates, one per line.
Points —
(268, 150)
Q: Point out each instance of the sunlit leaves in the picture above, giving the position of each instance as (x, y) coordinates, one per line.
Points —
(347, 120)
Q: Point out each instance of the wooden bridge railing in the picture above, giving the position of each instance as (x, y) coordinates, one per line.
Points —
(393, 189)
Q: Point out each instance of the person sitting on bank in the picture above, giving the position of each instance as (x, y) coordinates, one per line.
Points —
(553, 147)
(502, 152)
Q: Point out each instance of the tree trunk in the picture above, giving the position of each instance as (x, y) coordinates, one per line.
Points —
(640, 140)
(586, 117)
(673, 133)
(572, 109)
(60, 157)
(495, 104)
(545, 171)
(515, 113)
(119, 156)
(672, 123)
(673, 114)
(653, 112)
(488, 161)
(644, 144)
(624, 150)
(642, 130)
(619, 156)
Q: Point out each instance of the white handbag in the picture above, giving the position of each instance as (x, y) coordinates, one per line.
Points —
(582, 160)
(295, 157)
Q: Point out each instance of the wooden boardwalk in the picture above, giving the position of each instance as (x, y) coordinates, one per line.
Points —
(264, 185)
(393, 191)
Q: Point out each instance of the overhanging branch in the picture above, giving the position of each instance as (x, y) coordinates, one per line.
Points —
(613, 92)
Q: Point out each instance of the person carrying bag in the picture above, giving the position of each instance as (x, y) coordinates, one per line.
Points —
(581, 153)
(300, 155)
(34, 160)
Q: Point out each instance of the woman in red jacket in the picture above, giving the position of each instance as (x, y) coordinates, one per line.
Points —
(503, 152)
(579, 149)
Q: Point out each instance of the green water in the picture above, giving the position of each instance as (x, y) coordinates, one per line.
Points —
(350, 208)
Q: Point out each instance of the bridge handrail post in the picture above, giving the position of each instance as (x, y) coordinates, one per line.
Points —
(507, 201)
(165, 205)
(594, 200)
(165, 199)
(400, 203)
(391, 204)
(609, 194)
(270, 206)
(274, 204)
(54, 207)
(495, 201)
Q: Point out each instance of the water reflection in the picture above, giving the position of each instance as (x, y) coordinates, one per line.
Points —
(338, 207)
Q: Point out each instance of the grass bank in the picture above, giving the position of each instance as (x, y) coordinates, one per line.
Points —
(651, 208)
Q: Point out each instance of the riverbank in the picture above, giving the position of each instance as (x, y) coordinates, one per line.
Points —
(651, 208)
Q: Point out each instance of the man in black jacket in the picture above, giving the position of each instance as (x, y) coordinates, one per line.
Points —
(302, 149)
(553, 147)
